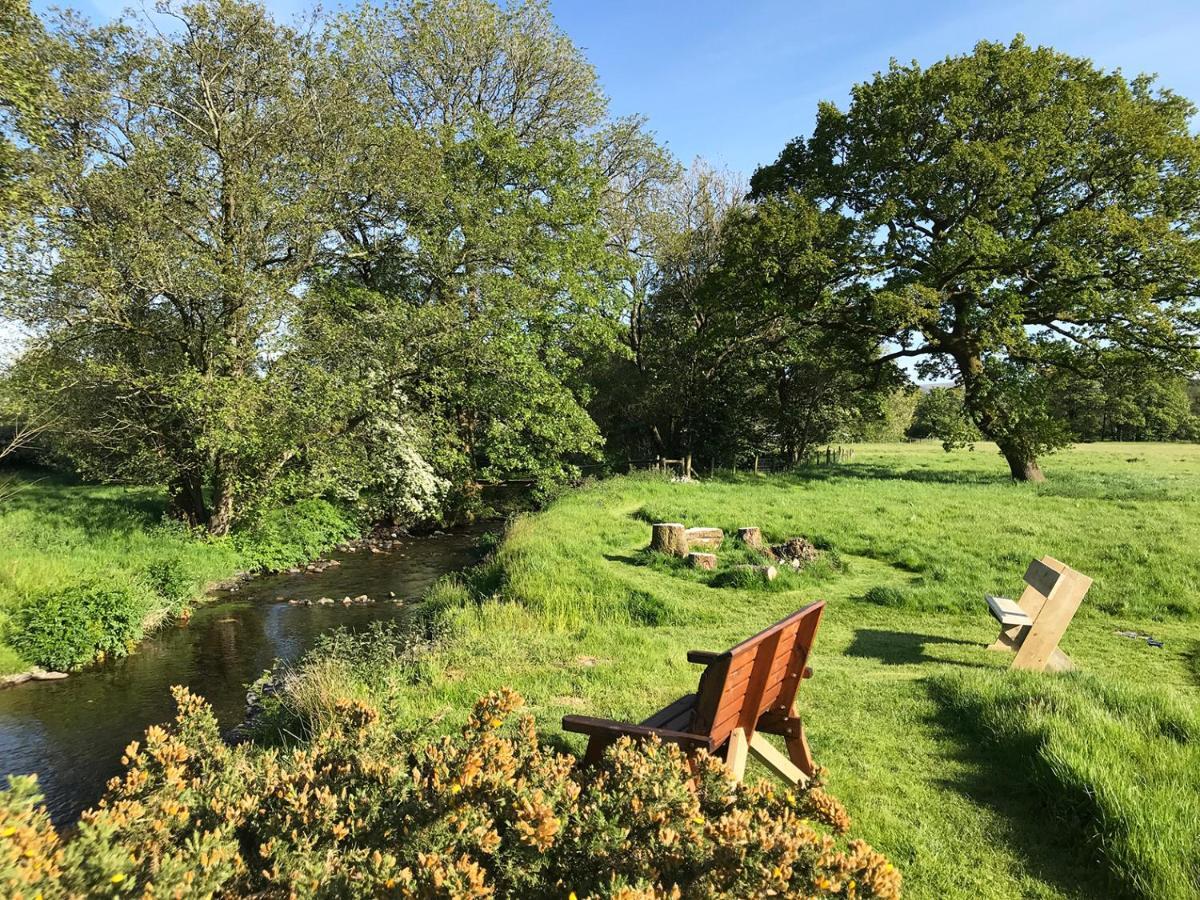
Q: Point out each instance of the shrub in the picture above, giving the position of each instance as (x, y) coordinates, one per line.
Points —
(169, 578)
(69, 628)
(290, 535)
(488, 811)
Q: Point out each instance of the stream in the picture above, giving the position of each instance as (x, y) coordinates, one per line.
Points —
(73, 732)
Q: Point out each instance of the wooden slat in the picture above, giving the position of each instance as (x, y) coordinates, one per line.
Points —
(1006, 611)
(1041, 577)
(675, 715)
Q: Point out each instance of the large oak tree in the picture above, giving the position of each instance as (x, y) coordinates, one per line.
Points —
(1019, 211)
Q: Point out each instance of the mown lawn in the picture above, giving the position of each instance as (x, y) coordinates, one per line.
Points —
(974, 781)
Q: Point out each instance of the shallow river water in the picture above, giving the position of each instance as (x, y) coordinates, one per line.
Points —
(73, 732)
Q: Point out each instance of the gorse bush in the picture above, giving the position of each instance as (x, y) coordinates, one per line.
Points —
(69, 628)
(486, 812)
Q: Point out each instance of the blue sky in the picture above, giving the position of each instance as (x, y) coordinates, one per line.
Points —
(734, 82)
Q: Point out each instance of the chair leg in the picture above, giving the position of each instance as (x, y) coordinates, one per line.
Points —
(595, 750)
(735, 756)
(798, 750)
(765, 753)
(1010, 638)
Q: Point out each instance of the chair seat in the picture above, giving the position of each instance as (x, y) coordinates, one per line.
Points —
(675, 717)
(1007, 611)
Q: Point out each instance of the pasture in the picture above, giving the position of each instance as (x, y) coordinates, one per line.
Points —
(973, 780)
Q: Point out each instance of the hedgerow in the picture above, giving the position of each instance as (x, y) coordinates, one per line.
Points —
(489, 811)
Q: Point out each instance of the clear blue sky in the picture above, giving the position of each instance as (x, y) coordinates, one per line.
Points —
(734, 81)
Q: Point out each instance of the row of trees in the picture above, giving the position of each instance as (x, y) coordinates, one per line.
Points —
(391, 253)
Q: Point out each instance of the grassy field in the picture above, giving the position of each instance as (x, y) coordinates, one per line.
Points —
(60, 539)
(974, 781)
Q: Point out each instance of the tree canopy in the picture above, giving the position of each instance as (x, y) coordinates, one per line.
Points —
(1017, 211)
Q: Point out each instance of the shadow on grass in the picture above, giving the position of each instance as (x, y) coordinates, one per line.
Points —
(899, 648)
(998, 772)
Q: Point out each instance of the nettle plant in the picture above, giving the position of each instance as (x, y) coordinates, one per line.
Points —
(488, 811)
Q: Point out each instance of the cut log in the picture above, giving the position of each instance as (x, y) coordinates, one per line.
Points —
(669, 538)
(751, 536)
(708, 538)
(702, 560)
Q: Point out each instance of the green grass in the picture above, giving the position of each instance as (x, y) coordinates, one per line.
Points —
(973, 781)
(60, 540)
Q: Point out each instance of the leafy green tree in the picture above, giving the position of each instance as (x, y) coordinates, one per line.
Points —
(1119, 397)
(478, 225)
(188, 208)
(1013, 207)
(942, 413)
(730, 371)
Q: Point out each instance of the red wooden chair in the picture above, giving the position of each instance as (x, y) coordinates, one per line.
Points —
(744, 693)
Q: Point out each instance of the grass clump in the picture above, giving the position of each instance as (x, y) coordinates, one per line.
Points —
(360, 811)
(1117, 763)
(885, 595)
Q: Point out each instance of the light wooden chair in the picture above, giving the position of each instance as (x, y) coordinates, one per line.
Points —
(1032, 626)
(744, 693)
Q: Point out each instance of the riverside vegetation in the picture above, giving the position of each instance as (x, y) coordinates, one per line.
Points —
(970, 779)
(88, 569)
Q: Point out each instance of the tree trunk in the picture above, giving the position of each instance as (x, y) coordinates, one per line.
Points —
(1022, 466)
(187, 500)
(221, 520)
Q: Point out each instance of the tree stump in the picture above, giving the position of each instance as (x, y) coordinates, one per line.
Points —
(669, 538)
(702, 561)
(708, 538)
(751, 536)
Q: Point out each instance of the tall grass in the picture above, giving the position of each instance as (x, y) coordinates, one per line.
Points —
(1119, 763)
(61, 539)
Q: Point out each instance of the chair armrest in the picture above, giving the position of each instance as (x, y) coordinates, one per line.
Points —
(608, 727)
(702, 657)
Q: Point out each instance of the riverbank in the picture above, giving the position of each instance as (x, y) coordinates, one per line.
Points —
(976, 782)
(88, 570)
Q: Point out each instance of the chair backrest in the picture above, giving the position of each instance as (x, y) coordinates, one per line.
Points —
(1055, 592)
(1043, 577)
(760, 674)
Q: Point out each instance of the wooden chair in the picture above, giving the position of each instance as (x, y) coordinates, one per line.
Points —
(1032, 626)
(744, 693)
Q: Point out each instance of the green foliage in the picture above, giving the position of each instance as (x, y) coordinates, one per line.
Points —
(69, 628)
(1119, 764)
(489, 811)
(292, 535)
(886, 595)
(941, 413)
(170, 579)
(985, 243)
(56, 534)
